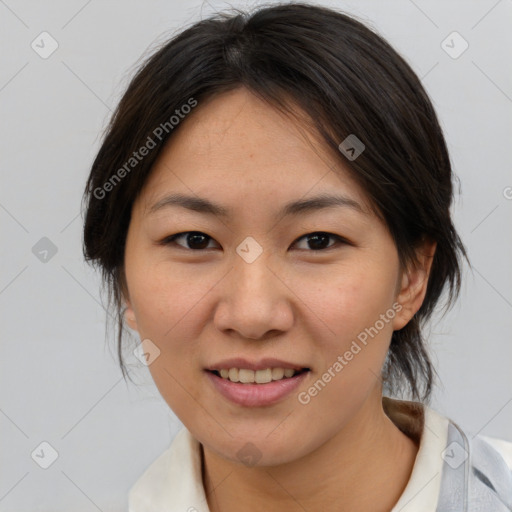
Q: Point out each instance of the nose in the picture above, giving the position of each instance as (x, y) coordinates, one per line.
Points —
(254, 300)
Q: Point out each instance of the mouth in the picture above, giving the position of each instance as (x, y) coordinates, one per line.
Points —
(249, 388)
(265, 376)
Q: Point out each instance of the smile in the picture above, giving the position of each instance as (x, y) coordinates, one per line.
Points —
(247, 376)
(251, 393)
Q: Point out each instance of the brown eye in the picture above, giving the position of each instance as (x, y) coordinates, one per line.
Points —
(194, 240)
(320, 240)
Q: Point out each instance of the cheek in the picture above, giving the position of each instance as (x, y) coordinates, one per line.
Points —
(355, 309)
(165, 299)
(350, 299)
(167, 307)
(351, 338)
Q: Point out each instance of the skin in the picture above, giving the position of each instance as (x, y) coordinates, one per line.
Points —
(340, 451)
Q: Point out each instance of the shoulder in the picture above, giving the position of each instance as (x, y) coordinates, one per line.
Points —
(454, 470)
(173, 480)
(476, 471)
(504, 448)
(490, 463)
(148, 489)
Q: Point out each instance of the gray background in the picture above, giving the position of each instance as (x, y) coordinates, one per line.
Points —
(59, 380)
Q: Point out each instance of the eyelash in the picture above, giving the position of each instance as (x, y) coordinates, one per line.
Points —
(170, 240)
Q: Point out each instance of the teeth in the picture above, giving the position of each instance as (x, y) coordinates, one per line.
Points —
(263, 376)
(277, 373)
(259, 377)
(245, 376)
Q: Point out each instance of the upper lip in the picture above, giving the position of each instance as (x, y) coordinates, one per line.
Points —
(262, 364)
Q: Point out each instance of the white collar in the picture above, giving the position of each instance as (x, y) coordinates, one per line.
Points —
(422, 491)
(173, 482)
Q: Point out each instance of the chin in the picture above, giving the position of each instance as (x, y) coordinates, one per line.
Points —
(259, 451)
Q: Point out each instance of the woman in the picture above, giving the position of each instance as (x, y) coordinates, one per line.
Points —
(239, 146)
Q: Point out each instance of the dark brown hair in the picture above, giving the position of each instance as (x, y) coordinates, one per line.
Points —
(347, 80)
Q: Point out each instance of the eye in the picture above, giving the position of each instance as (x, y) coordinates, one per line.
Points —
(317, 241)
(197, 241)
(194, 240)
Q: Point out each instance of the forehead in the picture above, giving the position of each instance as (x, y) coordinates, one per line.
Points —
(236, 144)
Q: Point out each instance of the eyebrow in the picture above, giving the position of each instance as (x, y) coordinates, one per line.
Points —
(302, 206)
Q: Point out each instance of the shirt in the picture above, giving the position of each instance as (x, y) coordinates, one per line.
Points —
(452, 471)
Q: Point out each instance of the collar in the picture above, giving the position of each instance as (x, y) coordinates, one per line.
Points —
(430, 430)
(173, 482)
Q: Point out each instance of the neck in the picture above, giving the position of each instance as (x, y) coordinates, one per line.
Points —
(365, 466)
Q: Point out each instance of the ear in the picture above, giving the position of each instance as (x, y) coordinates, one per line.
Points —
(129, 315)
(413, 286)
(128, 312)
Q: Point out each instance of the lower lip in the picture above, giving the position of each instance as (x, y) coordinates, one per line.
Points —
(256, 395)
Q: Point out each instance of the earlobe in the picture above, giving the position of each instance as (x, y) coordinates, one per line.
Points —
(128, 313)
(414, 281)
(129, 316)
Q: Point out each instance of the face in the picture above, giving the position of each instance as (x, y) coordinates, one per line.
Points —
(261, 279)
